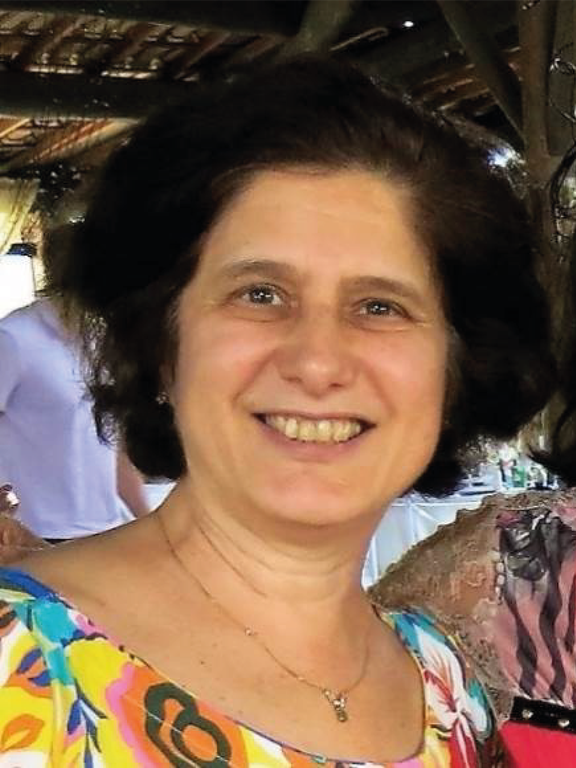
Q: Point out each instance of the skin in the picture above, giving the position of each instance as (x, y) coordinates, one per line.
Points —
(314, 297)
(322, 246)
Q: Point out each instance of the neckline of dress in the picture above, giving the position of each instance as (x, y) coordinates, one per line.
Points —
(43, 590)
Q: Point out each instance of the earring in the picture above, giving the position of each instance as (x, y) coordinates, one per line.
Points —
(162, 398)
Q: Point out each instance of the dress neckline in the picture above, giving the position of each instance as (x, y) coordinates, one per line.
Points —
(37, 589)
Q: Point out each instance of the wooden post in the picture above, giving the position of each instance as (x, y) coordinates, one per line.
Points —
(321, 24)
(487, 58)
(541, 27)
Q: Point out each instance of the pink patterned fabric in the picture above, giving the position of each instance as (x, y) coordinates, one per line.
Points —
(503, 580)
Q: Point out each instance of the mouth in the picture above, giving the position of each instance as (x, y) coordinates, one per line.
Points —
(309, 430)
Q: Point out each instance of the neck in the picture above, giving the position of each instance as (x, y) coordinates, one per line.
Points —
(314, 572)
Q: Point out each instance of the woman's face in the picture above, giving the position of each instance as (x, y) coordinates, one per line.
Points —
(312, 359)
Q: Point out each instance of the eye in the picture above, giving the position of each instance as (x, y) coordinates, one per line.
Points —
(261, 294)
(382, 308)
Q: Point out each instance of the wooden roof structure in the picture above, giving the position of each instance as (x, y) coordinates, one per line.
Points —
(75, 76)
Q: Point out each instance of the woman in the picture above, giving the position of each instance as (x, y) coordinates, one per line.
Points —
(304, 297)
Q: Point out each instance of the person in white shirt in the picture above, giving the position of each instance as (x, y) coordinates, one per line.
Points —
(70, 484)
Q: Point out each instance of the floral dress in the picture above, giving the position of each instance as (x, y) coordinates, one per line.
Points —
(71, 696)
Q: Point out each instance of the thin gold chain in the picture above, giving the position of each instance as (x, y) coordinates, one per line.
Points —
(338, 699)
(230, 564)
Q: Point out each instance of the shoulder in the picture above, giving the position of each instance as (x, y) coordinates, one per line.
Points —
(17, 585)
(23, 318)
(54, 675)
(426, 638)
(34, 616)
(503, 578)
(552, 512)
(452, 570)
(98, 575)
(36, 620)
(22, 327)
(535, 543)
(455, 699)
(32, 677)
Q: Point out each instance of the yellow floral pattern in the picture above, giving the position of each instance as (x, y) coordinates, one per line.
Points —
(70, 696)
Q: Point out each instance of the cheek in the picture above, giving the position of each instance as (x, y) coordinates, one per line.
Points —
(412, 371)
(219, 358)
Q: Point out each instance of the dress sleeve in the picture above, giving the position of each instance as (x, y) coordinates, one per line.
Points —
(40, 708)
(26, 706)
(10, 368)
(502, 579)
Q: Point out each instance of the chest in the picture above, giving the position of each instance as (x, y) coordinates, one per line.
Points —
(200, 670)
(204, 667)
(205, 691)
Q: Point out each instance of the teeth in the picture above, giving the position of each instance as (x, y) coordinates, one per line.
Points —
(290, 428)
(315, 431)
(307, 431)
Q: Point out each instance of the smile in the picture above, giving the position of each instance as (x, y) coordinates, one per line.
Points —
(307, 430)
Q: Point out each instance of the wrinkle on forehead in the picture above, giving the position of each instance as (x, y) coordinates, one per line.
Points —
(365, 199)
(343, 186)
(339, 200)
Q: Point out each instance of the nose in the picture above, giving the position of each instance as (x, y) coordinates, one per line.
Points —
(316, 355)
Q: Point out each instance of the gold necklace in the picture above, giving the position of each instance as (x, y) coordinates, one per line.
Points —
(338, 700)
(230, 564)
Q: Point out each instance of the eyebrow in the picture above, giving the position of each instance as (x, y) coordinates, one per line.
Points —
(265, 267)
(277, 270)
(370, 283)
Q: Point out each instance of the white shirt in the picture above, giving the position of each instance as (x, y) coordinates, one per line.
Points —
(65, 477)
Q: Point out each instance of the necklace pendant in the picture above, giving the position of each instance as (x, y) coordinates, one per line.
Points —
(338, 703)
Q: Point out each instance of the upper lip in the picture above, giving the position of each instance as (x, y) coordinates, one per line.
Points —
(333, 416)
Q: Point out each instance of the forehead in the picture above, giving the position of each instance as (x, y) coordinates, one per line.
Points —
(318, 218)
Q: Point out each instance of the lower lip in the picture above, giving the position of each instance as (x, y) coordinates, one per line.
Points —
(312, 451)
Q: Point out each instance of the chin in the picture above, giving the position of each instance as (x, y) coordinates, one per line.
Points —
(315, 509)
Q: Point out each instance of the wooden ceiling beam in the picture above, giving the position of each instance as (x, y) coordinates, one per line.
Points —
(437, 73)
(487, 58)
(460, 79)
(273, 17)
(182, 65)
(280, 17)
(322, 23)
(422, 46)
(453, 96)
(32, 95)
(17, 19)
(67, 142)
(121, 49)
(252, 51)
(47, 42)
(482, 105)
(392, 15)
(442, 73)
(10, 124)
(97, 154)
